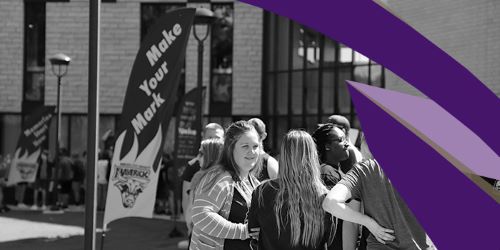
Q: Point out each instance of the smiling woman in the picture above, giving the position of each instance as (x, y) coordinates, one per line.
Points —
(223, 197)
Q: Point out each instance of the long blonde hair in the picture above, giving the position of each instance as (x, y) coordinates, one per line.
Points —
(300, 192)
(211, 150)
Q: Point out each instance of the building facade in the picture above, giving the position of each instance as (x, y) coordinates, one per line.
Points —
(256, 64)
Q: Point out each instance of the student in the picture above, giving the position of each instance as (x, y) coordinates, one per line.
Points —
(223, 197)
(65, 176)
(288, 209)
(390, 222)
(268, 166)
(354, 155)
(42, 181)
(212, 130)
(210, 152)
(78, 177)
(333, 148)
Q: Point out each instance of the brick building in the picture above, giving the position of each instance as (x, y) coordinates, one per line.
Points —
(256, 63)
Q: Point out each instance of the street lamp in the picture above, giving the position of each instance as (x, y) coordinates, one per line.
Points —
(203, 17)
(59, 65)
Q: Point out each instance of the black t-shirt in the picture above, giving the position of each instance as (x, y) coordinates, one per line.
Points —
(330, 176)
(262, 215)
(78, 170)
(238, 214)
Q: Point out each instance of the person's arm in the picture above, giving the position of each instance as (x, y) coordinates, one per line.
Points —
(355, 154)
(272, 168)
(186, 186)
(334, 203)
(205, 212)
(350, 231)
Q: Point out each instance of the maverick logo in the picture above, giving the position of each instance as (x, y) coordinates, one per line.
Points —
(26, 170)
(131, 180)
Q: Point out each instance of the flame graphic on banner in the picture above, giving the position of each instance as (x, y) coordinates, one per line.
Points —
(145, 158)
(133, 179)
(23, 168)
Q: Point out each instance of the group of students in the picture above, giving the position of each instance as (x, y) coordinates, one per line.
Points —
(241, 198)
(68, 174)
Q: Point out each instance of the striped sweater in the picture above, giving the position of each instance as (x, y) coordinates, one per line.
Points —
(210, 212)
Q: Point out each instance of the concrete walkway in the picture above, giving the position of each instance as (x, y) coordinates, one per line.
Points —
(24, 229)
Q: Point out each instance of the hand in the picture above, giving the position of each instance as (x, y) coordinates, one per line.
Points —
(254, 233)
(381, 234)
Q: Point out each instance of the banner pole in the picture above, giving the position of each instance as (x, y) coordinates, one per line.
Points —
(93, 124)
(103, 236)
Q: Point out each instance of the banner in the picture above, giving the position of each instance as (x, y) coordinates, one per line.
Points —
(24, 164)
(186, 146)
(147, 109)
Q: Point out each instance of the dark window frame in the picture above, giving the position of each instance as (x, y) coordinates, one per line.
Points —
(270, 71)
(221, 108)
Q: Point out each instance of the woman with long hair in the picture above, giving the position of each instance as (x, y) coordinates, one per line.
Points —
(208, 155)
(288, 209)
(223, 196)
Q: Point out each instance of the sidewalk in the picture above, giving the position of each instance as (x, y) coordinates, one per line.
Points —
(123, 234)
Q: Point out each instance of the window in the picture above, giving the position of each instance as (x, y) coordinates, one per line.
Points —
(304, 77)
(221, 63)
(10, 129)
(34, 57)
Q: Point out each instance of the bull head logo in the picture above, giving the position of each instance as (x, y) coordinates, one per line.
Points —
(26, 170)
(26, 164)
(132, 173)
(130, 189)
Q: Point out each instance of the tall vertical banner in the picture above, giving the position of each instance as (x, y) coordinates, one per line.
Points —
(24, 165)
(147, 109)
(186, 129)
(186, 146)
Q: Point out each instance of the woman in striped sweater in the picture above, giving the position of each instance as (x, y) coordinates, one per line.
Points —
(223, 196)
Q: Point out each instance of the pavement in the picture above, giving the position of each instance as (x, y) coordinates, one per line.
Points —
(27, 230)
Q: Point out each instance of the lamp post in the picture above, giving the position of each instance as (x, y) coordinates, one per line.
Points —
(59, 65)
(203, 17)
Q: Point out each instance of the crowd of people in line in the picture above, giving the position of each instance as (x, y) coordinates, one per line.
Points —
(323, 192)
(57, 184)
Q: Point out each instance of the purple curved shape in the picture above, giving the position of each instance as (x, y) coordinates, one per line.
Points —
(376, 33)
(439, 126)
(455, 213)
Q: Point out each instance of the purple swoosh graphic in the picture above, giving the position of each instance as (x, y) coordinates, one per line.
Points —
(455, 212)
(439, 126)
(376, 33)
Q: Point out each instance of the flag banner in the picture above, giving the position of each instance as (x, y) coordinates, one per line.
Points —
(186, 146)
(147, 109)
(24, 165)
